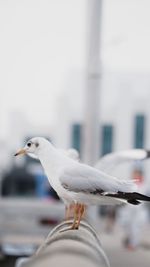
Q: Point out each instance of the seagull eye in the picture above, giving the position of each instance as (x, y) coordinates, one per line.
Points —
(28, 144)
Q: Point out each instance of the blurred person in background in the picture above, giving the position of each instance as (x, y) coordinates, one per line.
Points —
(134, 218)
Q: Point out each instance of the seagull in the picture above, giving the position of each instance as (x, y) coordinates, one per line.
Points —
(78, 183)
(112, 160)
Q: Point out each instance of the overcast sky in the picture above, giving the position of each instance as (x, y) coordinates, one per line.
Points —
(42, 41)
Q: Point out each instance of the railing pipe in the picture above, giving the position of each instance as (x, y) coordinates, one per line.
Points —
(64, 247)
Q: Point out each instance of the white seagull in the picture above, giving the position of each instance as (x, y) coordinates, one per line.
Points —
(79, 183)
(109, 162)
(112, 160)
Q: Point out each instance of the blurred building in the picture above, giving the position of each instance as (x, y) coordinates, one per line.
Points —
(124, 109)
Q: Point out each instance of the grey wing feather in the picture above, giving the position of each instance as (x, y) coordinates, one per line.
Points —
(83, 178)
(112, 160)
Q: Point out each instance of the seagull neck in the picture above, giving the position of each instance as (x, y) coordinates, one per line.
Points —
(50, 159)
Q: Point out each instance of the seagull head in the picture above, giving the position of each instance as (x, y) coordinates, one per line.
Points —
(33, 147)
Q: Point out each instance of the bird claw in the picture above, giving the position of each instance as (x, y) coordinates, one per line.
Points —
(69, 228)
(74, 228)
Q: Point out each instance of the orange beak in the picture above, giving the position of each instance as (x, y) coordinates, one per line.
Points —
(21, 152)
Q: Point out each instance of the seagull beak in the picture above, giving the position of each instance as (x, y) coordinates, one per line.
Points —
(21, 152)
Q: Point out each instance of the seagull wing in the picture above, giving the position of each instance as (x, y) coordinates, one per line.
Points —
(83, 178)
(112, 160)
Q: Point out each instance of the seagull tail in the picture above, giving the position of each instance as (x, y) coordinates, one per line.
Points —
(127, 186)
(133, 198)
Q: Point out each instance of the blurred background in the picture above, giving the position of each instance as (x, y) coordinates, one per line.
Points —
(77, 73)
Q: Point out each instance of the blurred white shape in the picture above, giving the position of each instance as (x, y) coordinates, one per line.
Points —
(112, 160)
(72, 153)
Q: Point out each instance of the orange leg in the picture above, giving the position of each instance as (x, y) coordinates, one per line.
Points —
(80, 216)
(69, 211)
(76, 215)
(84, 211)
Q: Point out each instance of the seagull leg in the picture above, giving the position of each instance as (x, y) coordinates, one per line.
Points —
(76, 214)
(71, 210)
(81, 213)
(67, 213)
(79, 210)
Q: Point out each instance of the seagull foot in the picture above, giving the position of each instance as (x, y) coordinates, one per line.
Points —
(69, 228)
(74, 227)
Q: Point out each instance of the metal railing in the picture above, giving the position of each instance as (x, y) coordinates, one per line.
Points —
(65, 248)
